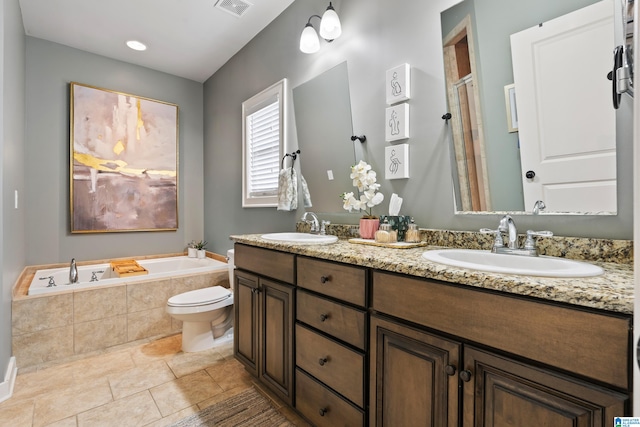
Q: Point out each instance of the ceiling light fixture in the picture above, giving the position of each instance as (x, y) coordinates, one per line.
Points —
(330, 29)
(136, 45)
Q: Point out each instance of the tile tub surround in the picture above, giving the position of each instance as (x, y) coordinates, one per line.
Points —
(46, 328)
(612, 291)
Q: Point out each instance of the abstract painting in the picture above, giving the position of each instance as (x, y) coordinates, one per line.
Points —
(124, 162)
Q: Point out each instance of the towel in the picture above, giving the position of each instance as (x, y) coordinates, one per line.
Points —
(306, 196)
(287, 190)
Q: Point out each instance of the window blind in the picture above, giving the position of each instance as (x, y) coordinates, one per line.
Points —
(263, 144)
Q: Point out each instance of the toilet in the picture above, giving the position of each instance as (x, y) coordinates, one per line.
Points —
(206, 314)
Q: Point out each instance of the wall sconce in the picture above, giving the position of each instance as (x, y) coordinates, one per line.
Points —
(330, 29)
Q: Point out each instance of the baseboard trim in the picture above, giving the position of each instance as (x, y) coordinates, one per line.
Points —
(6, 387)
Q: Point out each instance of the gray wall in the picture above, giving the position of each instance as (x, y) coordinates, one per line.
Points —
(12, 233)
(377, 35)
(50, 69)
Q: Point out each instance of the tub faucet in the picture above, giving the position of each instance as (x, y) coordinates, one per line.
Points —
(315, 224)
(73, 272)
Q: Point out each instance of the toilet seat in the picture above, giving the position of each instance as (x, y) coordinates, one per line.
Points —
(199, 297)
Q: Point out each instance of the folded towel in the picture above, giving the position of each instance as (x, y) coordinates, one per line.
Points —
(287, 190)
(306, 196)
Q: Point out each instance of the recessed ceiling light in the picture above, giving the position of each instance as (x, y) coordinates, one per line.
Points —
(136, 45)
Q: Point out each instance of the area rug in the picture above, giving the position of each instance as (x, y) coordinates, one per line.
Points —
(248, 408)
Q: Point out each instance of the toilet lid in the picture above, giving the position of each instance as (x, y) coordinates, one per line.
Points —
(200, 297)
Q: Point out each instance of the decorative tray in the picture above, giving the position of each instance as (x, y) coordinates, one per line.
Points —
(128, 267)
(395, 245)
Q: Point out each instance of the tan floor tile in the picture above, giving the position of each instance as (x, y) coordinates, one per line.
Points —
(36, 383)
(16, 414)
(66, 402)
(226, 350)
(140, 378)
(101, 365)
(230, 374)
(293, 417)
(67, 422)
(184, 392)
(186, 363)
(161, 349)
(137, 410)
(177, 416)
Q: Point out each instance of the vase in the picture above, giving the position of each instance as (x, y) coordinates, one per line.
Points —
(191, 252)
(368, 227)
(202, 253)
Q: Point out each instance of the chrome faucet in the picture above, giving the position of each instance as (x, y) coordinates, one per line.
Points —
(508, 226)
(315, 224)
(73, 272)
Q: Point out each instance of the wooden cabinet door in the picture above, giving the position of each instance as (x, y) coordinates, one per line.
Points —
(413, 378)
(500, 392)
(276, 333)
(245, 336)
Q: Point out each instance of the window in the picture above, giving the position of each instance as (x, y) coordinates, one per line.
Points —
(262, 146)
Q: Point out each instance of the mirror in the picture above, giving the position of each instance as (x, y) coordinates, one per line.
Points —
(323, 122)
(489, 130)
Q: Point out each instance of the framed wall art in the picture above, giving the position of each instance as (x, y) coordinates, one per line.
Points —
(124, 162)
(397, 122)
(396, 161)
(398, 84)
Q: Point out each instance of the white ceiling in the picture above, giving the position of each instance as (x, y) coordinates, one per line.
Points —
(186, 38)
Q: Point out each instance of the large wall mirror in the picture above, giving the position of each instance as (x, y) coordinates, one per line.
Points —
(522, 131)
(323, 123)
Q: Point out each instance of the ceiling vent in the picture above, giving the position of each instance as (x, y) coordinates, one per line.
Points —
(235, 7)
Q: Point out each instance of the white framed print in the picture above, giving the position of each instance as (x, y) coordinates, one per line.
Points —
(396, 161)
(397, 122)
(398, 84)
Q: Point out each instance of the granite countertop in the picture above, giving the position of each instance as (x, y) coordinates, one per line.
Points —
(612, 291)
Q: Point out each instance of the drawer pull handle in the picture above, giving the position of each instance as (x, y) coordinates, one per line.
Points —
(323, 360)
(465, 375)
(450, 370)
(255, 290)
(325, 279)
(324, 317)
(323, 411)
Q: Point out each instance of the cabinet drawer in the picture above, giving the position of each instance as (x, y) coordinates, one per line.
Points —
(591, 344)
(337, 366)
(345, 323)
(323, 407)
(344, 282)
(274, 264)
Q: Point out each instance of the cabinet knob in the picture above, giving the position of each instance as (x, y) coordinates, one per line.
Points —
(323, 411)
(325, 279)
(323, 360)
(465, 375)
(255, 290)
(450, 370)
(324, 317)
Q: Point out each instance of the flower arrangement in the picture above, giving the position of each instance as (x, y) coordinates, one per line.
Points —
(364, 179)
(201, 245)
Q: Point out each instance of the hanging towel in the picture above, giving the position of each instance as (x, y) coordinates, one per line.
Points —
(287, 190)
(306, 196)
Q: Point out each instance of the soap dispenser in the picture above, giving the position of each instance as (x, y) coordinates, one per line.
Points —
(413, 233)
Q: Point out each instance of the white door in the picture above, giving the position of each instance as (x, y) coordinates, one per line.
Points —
(566, 121)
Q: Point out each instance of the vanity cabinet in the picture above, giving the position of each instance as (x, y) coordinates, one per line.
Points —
(518, 361)
(331, 342)
(264, 300)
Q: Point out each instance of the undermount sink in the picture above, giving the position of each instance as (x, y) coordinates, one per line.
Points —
(301, 238)
(513, 264)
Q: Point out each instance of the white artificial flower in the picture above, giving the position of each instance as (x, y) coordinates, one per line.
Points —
(364, 179)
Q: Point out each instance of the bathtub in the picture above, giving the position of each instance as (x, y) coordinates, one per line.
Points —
(57, 279)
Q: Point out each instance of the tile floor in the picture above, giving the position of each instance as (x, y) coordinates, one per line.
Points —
(148, 384)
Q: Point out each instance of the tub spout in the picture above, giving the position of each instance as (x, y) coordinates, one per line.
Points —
(73, 272)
